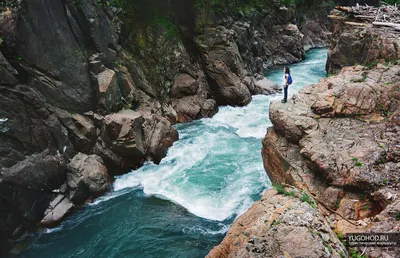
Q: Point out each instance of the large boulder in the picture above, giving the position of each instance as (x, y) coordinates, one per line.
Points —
(266, 87)
(184, 85)
(128, 138)
(230, 90)
(82, 130)
(88, 177)
(124, 133)
(26, 190)
(159, 135)
(280, 226)
(60, 207)
(191, 98)
(107, 88)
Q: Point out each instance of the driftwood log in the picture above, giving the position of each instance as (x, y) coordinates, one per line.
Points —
(385, 15)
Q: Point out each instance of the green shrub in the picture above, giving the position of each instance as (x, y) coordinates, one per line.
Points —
(306, 198)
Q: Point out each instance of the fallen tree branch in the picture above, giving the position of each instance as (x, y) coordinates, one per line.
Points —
(395, 26)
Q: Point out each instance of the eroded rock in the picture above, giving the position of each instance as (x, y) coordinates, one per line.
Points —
(26, 190)
(159, 135)
(276, 226)
(337, 140)
(88, 177)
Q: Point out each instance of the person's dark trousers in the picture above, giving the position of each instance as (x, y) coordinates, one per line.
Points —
(285, 92)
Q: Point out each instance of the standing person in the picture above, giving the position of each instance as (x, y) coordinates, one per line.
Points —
(287, 81)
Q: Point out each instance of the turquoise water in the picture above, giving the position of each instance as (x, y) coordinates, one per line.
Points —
(184, 206)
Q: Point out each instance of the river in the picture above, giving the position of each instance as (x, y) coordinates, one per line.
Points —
(184, 206)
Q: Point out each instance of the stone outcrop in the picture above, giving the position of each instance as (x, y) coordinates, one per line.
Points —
(28, 126)
(88, 177)
(338, 139)
(266, 87)
(26, 189)
(128, 138)
(356, 42)
(159, 136)
(280, 226)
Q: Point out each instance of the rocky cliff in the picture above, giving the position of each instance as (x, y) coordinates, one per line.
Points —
(336, 147)
(280, 226)
(90, 89)
(339, 139)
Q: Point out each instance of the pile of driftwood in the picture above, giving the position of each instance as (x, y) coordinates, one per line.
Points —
(385, 15)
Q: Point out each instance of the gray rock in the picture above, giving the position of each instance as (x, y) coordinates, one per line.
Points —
(184, 85)
(352, 45)
(87, 177)
(28, 126)
(109, 95)
(58, 209)
(266, 87)
(66, 82)
(81, 130)
(229, 88)
(159, 135)
(123, 134)
(26, 190)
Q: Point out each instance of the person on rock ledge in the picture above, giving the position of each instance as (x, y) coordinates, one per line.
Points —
(287, 81)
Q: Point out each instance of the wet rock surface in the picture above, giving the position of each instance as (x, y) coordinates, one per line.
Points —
(26, 190)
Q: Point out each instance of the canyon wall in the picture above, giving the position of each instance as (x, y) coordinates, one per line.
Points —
(339, 140)
(91, 89)
(333, 154)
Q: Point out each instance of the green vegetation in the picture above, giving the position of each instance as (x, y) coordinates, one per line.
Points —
(306, 198)
(338, 200)
(357, 163)
(362, 79)
(281, 190)
(365, 207)
(397, 216)
(391, 2)
(371, 65)
(381, 161)
(363, 197)
(276, 223)
(354, 254)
